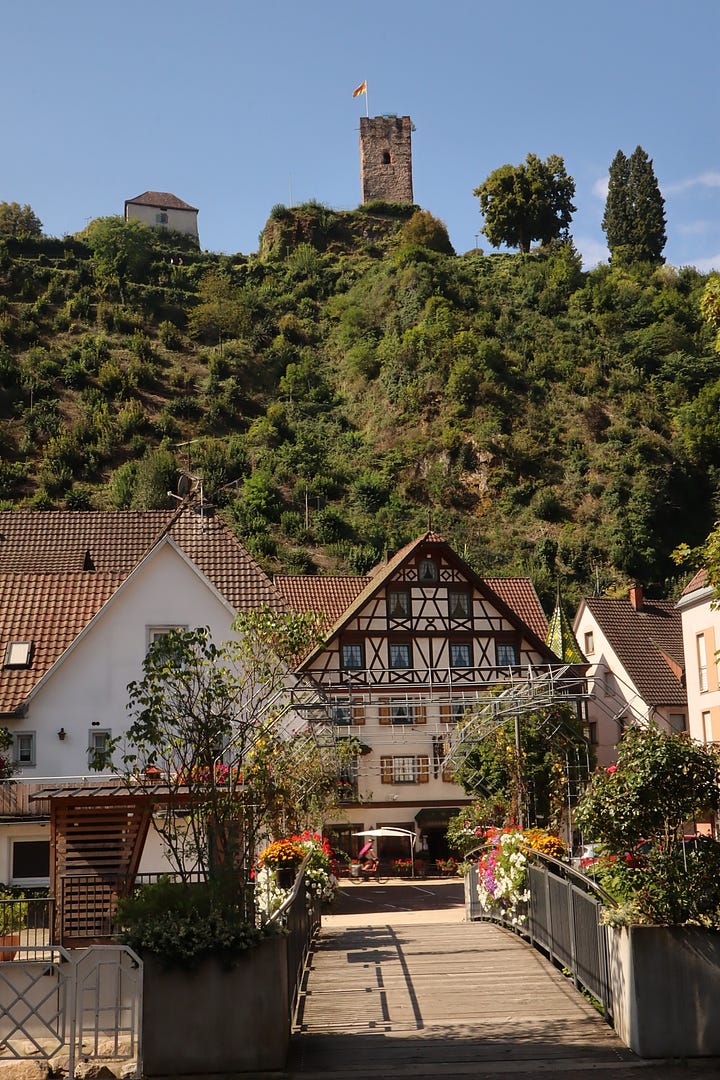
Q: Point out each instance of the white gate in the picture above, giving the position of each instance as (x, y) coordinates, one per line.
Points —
(83, 1003)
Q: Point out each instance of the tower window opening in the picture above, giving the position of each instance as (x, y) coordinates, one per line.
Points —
(386, 158)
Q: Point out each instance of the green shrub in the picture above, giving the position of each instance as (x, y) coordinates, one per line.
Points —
(182, 924)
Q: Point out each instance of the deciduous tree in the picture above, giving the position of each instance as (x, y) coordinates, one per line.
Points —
(18, 221)
(531, 201)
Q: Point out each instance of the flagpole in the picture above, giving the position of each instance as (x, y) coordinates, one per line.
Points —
(367, 105)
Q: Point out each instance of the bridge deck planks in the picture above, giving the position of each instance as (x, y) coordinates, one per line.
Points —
(425, 999)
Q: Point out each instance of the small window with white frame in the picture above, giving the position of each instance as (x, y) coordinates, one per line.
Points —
(589, 643)
(24, 748)
(29, 862)
(404, 770)
(98, 741)
(702, 663)
(157, 633)
(401, 712)
(18, 654)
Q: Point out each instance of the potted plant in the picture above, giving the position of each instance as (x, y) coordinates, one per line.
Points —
(665, 931)
(402, 867)
(447, 867)
(284, 857)
(13, 920)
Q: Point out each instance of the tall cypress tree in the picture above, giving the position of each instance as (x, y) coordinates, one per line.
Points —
(634, 218)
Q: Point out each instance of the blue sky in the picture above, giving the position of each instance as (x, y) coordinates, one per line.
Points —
(235, 105)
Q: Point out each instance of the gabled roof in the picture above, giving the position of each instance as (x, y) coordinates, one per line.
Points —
(163, 200)
(648, 643)
(49, 610)
(699, 581)
(514, 598)
(114, 541)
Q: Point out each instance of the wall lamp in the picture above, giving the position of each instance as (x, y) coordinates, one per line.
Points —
(61, 734)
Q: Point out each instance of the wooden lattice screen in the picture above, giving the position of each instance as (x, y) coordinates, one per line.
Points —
(97, 840)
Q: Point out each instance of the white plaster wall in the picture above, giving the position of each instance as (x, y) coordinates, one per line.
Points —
(182, 221)
(603, 705)
(699, 617)
(91, 683)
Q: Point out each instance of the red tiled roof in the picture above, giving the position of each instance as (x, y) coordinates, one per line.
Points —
(49, 610)
(164, 200)
(330, 596)
(643, 640)
(519, 594)
(699, 581)
(115, 541)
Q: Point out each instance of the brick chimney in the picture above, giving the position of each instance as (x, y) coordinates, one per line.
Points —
(636, 596)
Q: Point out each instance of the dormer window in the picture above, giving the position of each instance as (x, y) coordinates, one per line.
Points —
(18, 654)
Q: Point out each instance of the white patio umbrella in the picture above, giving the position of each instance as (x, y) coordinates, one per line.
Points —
(389, 830)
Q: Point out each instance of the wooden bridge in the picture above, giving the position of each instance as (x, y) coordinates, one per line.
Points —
(422, 993)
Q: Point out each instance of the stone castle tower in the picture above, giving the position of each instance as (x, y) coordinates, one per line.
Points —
(386, 158)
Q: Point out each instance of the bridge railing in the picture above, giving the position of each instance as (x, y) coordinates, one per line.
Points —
(299, 914)
(561, 918)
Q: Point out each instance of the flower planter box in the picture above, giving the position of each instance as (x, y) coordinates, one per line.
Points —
(217, 1021)
(666, 989)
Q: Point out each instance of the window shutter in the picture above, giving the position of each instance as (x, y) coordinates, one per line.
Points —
(386, 770)
(423, 768)
(419, 715)
(448, 774)
(446, 714)
(385, 714)
(358, 713)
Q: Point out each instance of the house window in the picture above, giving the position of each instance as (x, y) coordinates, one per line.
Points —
(702, 662)
(353, 656)
(399, 604)
(30, 862)
(161, 218)
(677, 722)
(403, 770)
(707, 727)
(18, 654)
(460, 654)
(400, 654)
(342, 715)
(401, 712)
(24, 748)
(506, 653)
(589, 643)
(428, 570)
(155, 633)
(459, 603)
(98, 739)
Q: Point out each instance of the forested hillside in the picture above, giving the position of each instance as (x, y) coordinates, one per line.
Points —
(355, 381)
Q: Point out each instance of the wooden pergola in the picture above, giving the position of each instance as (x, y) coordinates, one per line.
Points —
(97, 835)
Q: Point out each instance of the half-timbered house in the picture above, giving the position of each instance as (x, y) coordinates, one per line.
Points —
(409, 650)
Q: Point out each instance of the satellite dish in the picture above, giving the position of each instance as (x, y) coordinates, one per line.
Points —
(183, 485)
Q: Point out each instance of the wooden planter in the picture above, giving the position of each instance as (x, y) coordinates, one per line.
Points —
(666, 989)
(217, 1021)
(8, 946)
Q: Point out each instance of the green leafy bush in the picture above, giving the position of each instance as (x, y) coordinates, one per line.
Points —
(182, 924)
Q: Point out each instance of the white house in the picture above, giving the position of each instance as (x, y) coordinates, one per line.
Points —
(163, 210)
(701, 640)
(71, 639)
(636, 667)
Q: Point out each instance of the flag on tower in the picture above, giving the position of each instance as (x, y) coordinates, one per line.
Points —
(361, 89)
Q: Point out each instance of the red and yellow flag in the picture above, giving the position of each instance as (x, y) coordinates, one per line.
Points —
(361, 89)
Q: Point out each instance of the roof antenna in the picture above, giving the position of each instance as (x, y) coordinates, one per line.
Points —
(429, 529)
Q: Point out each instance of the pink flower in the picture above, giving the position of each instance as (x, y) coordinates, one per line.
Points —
(611, 769)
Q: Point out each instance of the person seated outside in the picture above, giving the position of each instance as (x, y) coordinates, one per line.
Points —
(369, 863)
